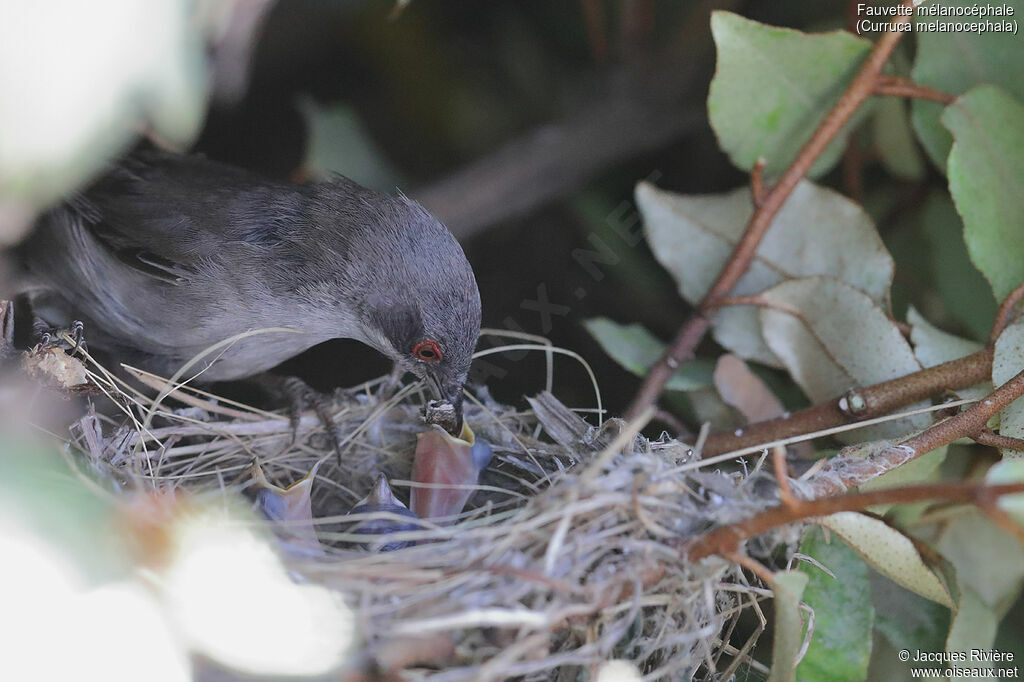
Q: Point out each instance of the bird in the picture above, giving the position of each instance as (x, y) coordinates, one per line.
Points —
(165, 255)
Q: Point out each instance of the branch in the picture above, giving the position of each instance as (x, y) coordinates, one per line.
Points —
(970, 422)
(690, 334)
(895, 86)
(725, 539)
(857, 464)
(757, 188)
(859, 404)
(1004, 316)
(995, 440)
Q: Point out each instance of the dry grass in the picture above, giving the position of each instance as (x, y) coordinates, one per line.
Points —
(567, 556)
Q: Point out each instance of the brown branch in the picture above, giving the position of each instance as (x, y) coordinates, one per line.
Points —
(894, 86)
(995, 440)
(752, 565)
(1007, 309)
(860, 404)
(970, 422)
(757, 188)
(853, 170)
(692, 331)
(1005, 522)
(726, 539)
(593, 20)
(781, 470)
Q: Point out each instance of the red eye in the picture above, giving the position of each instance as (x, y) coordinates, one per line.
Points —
(427, 351)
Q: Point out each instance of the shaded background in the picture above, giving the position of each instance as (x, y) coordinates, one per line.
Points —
(523, 125)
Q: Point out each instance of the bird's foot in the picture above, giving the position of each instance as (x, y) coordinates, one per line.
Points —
(299, 397)
(50, 337)
(392, 382)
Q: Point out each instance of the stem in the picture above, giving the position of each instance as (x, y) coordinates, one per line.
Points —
(725, 539)
(692, 331)
(895, 86)
(1005, 313)
(995, 440)
(970, 422)
(757, 188)
(878, 399)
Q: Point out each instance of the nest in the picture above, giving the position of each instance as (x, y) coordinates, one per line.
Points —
(570, 553)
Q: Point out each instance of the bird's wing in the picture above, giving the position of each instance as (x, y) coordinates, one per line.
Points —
(163, 213)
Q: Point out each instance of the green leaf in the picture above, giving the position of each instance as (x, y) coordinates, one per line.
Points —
(889, 552)
(986, 179)
(773, 86)
(843, 614)
(987, 560)
(636, 349)
(789, 626)
(965, 293)
(954, 62)
(1009, 471)
(1007, 362)
(974, 626)
(932, 347)
(832, 338)
(906, 619)
(339, 143)
(817, 232)
(894, 139)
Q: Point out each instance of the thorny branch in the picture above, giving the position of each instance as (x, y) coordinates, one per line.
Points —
(685, 342)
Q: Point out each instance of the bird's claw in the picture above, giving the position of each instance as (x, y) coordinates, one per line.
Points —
(48, 336)
(300, 396)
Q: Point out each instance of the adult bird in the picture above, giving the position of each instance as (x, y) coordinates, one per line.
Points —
(166, 255)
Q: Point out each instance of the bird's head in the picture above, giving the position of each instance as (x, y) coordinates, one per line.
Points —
(416, 299)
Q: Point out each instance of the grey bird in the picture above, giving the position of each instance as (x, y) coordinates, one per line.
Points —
(167, 255)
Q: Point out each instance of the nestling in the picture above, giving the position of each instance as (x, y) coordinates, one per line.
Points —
(167, 255)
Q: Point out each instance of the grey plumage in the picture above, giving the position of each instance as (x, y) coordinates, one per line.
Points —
(167, 255)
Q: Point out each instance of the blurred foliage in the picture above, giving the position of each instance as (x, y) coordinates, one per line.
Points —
(78, 80)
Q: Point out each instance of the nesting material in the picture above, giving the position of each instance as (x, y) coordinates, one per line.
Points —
(568, 555)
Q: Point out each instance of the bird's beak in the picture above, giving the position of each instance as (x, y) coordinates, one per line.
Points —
(448, 412)
(447, 467)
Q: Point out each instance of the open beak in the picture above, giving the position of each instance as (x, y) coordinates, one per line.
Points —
(447, 467)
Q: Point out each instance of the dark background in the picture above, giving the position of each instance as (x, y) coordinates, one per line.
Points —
(445, 85)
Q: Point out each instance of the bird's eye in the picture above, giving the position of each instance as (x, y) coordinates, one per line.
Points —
(427, 351)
